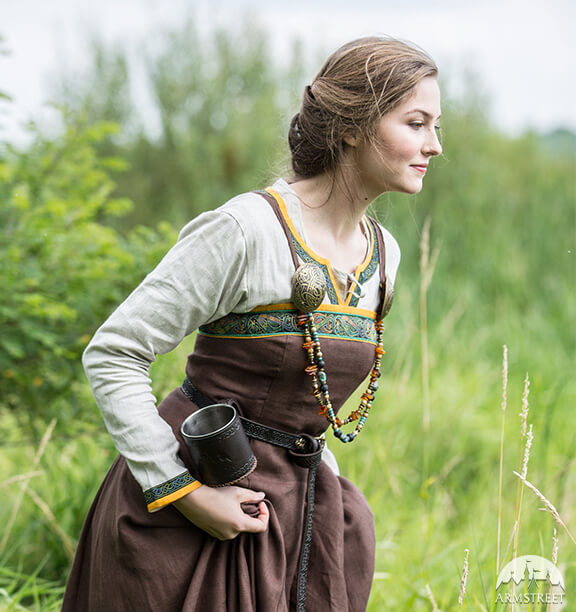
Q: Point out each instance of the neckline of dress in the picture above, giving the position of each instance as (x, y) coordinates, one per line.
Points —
(291, 211)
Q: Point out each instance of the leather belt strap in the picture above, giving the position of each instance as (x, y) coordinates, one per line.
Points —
(305, 451)
(276, 208)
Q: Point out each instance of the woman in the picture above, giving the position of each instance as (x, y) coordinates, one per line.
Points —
(291, 535)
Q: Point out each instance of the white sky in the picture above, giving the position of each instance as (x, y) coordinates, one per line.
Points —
(523, 50)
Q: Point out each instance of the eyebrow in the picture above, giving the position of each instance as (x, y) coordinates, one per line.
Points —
(422, 112)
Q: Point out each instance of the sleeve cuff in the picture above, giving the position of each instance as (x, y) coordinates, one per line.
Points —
(170, 491)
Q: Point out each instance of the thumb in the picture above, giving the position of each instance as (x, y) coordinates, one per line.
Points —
(247, 495)
(258, 523)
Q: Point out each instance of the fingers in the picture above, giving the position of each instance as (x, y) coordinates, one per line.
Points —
(219, 511)
(246, 495)
(260, 523)
(264, 514)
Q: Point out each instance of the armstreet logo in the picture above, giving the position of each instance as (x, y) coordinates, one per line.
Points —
(541, 581)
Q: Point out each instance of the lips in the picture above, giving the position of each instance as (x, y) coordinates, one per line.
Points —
(421, 168)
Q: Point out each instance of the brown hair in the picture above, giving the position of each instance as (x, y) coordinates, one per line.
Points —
(361, 81)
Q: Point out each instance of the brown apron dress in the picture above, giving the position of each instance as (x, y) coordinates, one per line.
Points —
(130, 560)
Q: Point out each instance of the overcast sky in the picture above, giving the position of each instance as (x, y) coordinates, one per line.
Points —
(523, 50)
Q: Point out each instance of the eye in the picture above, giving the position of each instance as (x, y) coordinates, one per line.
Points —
(416, 125)
(438, 128)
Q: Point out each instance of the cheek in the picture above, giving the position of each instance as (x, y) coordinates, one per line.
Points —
(400, 147)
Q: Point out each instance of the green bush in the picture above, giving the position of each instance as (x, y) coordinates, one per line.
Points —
(63, 266)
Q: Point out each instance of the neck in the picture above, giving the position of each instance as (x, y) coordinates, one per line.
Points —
(332, 218)
(330, 206)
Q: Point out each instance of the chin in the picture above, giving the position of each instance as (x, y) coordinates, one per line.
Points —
(410, 189)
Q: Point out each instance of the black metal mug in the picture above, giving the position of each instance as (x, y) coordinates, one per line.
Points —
(218, 445)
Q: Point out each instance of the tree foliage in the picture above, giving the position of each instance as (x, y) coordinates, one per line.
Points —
(63, 266)
(204, 116)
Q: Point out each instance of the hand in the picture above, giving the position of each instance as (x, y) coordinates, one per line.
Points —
(218, 511)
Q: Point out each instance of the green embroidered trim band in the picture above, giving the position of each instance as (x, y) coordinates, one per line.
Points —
(284, 322)
(168, 487)
(372, 266)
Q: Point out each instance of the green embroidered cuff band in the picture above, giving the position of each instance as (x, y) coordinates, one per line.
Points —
(169, 491)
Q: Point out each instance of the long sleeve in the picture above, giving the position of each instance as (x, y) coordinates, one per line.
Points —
(200, 279)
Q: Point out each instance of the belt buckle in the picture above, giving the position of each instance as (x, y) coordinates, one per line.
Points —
(307, 444)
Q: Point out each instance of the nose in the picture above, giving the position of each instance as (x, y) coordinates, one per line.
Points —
(432, 145)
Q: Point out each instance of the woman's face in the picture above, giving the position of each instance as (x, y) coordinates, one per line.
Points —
(405, 140)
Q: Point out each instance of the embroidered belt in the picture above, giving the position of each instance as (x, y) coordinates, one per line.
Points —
(305, 450)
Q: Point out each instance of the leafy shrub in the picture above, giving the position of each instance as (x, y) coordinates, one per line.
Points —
(63, 265)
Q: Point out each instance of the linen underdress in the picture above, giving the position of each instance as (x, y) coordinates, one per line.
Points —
(229, 277)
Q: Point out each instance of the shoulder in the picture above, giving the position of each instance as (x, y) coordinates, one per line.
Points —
(245, 214)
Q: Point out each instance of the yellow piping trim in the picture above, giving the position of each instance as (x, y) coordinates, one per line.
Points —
(295, 334)
(168, 499)
(272, 307)
(353, 310)
(323, 260)
(337, 308)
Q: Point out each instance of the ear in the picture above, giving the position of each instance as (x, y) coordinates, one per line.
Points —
(352, 140)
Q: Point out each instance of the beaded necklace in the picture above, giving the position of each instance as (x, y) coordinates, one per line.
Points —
(308, 290)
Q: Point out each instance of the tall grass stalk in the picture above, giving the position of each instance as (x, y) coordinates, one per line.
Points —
(510, 542)
(20, 478)
(526, 438)
(430, 596)
(67, 542)
(427, 265)
(555, 547)
(463, 580)
(547, 505)
(26, 483)
(500, 471)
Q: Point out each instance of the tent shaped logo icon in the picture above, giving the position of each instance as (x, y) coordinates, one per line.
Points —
(529, 569)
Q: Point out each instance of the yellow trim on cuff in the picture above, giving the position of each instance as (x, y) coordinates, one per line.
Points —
(168, 499)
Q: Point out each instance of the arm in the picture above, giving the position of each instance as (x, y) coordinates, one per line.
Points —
(200, 279)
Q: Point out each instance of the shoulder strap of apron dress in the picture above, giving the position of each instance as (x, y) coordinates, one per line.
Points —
(386, 292)
(272, 201)
(381, 249)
